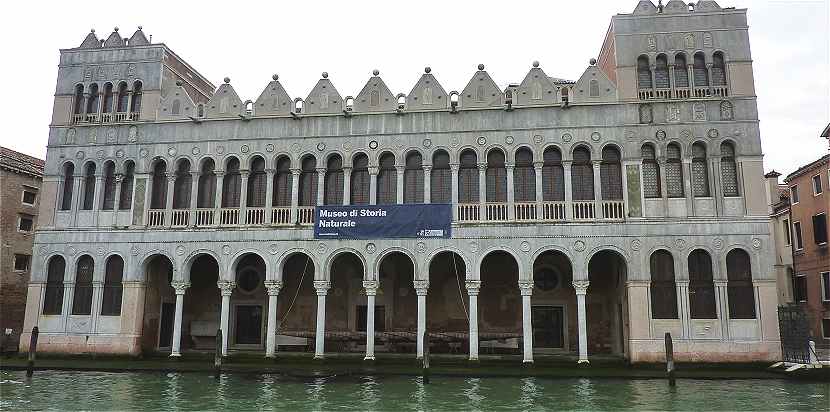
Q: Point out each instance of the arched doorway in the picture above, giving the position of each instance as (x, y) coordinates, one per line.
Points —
(200, 318)
(447, 316)
(344, 297)
(159, 305)
(499, 307)
(296, 308)
(607, 304)
(396, 312)
(554, 312)
(249, 304)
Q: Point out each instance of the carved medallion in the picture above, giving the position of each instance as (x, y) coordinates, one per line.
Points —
(595, 137)
(427, 142)
(195, 150)
(421, 247)
(321, 146)
(373, 144)
(713, 133)
(69, 138)
(481, 141)
(245, 148)
(112, 137)
(171, 151)
(538, 139)
(269, 148)
(80, 155)
(579, 246)
(508, 139)
(660, 135)
(371, 248)
(567, 137)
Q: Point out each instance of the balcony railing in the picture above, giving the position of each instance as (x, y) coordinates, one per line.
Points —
(204, 217)
(683, 93)
(524, 211)
(584, 210)
(229, 216)
(305, 215)
(255, 216)
(111, 117)
(613, 209)
(495, 212)
(468, 212)
(281, 216)
(155, 218)
(553, 211)
(180, 217)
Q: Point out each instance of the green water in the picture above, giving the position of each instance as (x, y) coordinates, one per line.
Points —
(200, 391)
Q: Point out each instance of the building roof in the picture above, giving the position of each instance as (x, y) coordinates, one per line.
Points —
(808, 167)
(20, 163)
(826, 132)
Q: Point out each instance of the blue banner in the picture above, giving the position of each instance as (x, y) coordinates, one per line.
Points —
(383, 221)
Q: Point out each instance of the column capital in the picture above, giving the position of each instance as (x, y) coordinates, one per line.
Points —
(226, 287)
(270, 170)
(454, 167)
(538, 165)
(682, 283)
(373, 170)
(509, 166)
(581, 286)
(472, 287)
(219, 173)
(180, 286)
(526, 287)
(638, 283)
(171, 176)
(273, 287)
(295, 172)
(119, 177)
(322, 287)
(421, 287)
(567, 163)
(400, 169)
(347, 169)
(427, 168)
(244, 173)
(371, 287)
(482, 167)
(321, 170)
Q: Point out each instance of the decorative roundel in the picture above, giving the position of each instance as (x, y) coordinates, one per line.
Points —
(427, 143)
(195, 150)
(718, 243)
(100, 154)
(579, 246)
(660, 135)
(321, 248)
(525, 246)
(756, 243)
(371, 248)
(43, 250)
(135, 250)
(567, 137)
(321, 146)
(180, 250)
(71, 251)
(713, 133)
(295, 147)
(373, 144)
(538, 139)
(171, 151)
(119, 154)
(143, 153)
(101, 251)
(508, 139)
(80, 154)
(636, 244)
(220, 149)
(421, 247)
(474, 246)
(680, 244)
(482, 141)
(269, 148)
(226, 250)
(347, 145)
(273, 248)
(454, 142)
(245, 148)
(595, 136)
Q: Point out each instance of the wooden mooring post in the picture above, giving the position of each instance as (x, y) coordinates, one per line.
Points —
(669, 360)
(217, 357)
(425, 372)
(30, 365)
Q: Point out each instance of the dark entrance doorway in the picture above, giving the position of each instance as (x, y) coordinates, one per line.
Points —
(548, 323)
(168, 314)
(248, 324)
(380, 318)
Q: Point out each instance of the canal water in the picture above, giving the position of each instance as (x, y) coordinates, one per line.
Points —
(197, 391)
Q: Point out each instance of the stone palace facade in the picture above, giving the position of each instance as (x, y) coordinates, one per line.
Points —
(589, 217)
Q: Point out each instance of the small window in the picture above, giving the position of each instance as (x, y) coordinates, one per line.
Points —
(820, 229)
(799, 243)
(825, 286)
(21, 263)
(26, 223)
(794, 191)
(29, 197)
(817, 185)
(800, 288)
(786, 228)
(825, 326)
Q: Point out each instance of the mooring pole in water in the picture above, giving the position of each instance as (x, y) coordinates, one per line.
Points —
(425, 372)
(217, 357)
(30, 365)
(669, 360)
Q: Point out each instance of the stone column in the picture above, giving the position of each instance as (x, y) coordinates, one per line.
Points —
(347, 186)
(78, 197)
(537, 168)
(454, 190)
(690, 68)
(526, 288)
(722, 306)
(687, 187)
(226, 288)
(295, 194)
(180, 287)
(168, 205)
(399, 190)
(220, 183)
(66, 305)
(97, 295)
(116, 204)
(273, 287)
(269, 194)
(243, 196)
(581, 288)
(709, 76)
(566, 168)
(482, 190)
(321, 185)
(683, 307)
(672, 82)
(98, 202)
(421, 287)
(598, 184)
(664, 192)
(472, 291)
(371, 287)
(322, 288)
(653, 71)
(373, 185)
(194, 198)
(427, 183)
(511, 193)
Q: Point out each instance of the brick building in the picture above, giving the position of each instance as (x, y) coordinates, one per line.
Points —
(20, 179)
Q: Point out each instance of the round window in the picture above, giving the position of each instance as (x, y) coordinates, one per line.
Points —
(546, 279)
(248, 281)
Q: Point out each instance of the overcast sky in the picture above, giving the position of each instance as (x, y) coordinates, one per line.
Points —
(249, 41)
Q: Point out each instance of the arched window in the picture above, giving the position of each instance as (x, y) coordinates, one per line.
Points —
(564, 93)
(53, 300)
(524, 177)
(413, 179)
(496, 177)
(643, 73)
(582, 175)
(111, 301)
(308, 181)
(739, 285)
(78, 107)
(681, 72)
(333, 194)
(611, 174)
(701, 76)
(68, 186)
(158, 198)
(135, 106)
(701, 286)
(176, 107)
(108, 96)
(282, 183)
(89, 186)
(663, 290)
(182, 185)
(651, 172)
(441, 178)
(108, 202)
(661, 72)
(82, 299)
(92, 101)
(553, 176)
(374, 98)
(257, 181)
(360, 180)
(123, 98)
(674, 171)
(206, 197)
(387, 180)
(728, 169)
(232, 184)
(468, 177)
(200, 110)
(593, 88)
(700, 171)
(125, 198)
(718, 70)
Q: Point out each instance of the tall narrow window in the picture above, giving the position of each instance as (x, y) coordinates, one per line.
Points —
(387, 180)
(137, 93)
(674, 171)
(333, 194)
(413, 179)
(257, 180)
(524, 177)
(158, 198)
(53, 299)
(123, 98)
(728, 169)
(68, 186)
(739, 285)
(441, 178)
(78, 107)
(89, 186)
(182, 185)
(109, 186)
(360, 180)
(93, 100)
(582, 175)
(643, 73)
(125, 198)
(700, 171)
(681, 72)
(232, 184)
(108, 97)
(700, 73)
(553, 176)
(308, 181)
(82, 299)
(663, 290)
(651, 172)
(661, 72)
(113, 287)
(718, 70)
(282, 183)
(593, 88)
(611, 174)
(468, 177)
(206, 198)
(820, 229)
(701, 286)
(496, 177)
(799, 240)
